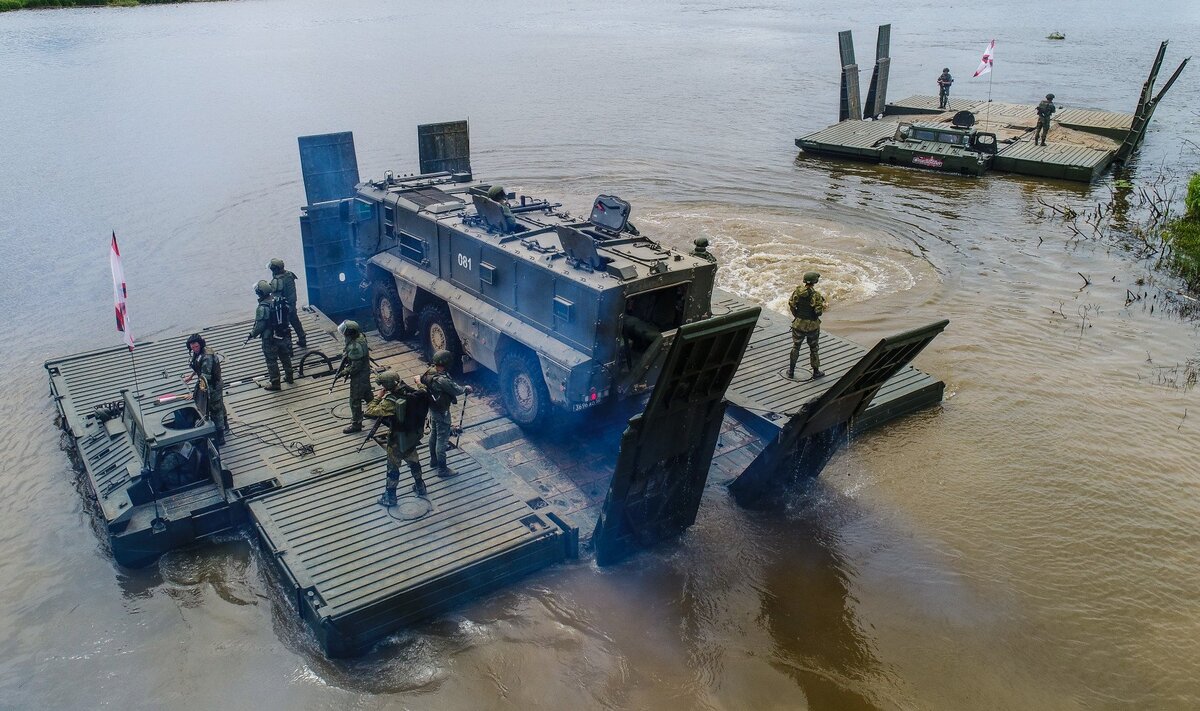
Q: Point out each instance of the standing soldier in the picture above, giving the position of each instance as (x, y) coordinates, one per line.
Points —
(209, 388)
(807, 305)
(443, 392)
(944, 81)
(391, 406)
(284, 283)
(1045, 109)
(276, 338)
(356, 361)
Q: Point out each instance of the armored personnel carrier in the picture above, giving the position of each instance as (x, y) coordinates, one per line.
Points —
(569, 312)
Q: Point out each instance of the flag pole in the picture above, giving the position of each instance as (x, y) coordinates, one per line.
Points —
(133, 359)
(988, 118)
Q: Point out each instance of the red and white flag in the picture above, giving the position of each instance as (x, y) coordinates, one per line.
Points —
(985, 62)
(118, 273)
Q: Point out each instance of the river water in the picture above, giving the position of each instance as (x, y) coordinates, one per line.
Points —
(1030, 544)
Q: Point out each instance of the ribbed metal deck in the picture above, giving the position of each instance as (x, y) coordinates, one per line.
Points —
(1054, 160)
(1113, 124)
(762, 389)
(855, 139)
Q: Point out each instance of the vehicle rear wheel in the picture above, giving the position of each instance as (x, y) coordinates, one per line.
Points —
(438, 334)
(523, 389)
(389, 313)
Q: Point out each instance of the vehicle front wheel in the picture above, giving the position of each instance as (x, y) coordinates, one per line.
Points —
(438, 334)
(388, 313)
(523, 389)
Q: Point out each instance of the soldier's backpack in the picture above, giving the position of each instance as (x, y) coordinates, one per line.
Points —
(436, 396)
(416, 409)
(281, 317)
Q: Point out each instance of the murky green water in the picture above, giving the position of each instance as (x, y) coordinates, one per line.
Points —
(1031, 544)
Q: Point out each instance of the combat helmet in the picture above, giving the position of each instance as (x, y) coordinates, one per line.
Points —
(496, 192)
(275, 265)
(195, 338)
(1049, 97)
(812, 277)
(443, 358)
(348, 327)
(945, 69)
(388, 379)
(263, 288)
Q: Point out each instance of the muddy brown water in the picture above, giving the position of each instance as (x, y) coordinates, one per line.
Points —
(1030, 544)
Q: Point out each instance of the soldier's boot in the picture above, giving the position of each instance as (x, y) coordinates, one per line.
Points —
(389, 492)
(274, 386)
(418, 487)
(818, 374)
(445, 472)
(287, 378)
(792, 367)
(352, 428)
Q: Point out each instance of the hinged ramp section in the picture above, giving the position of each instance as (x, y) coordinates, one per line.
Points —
(329, 166)
(811, 436)
(444, 147)
(666, 451)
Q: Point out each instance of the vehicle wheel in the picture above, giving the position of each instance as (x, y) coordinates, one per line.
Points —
(389, 313)
(438, 334)
(523, 389)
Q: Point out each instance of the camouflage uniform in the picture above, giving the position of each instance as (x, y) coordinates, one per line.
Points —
(806, 305)
(358, 369)
(284, 282)
(401, 444)
(1045, 109)
(275, 348)
(944, 81)
(443, 392)
(206, 366)
(497, 194)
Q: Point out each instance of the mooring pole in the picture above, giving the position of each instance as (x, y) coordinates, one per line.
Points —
(136, 388)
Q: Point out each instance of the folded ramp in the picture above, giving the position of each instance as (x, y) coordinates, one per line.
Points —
(666, 451)
(812, 436)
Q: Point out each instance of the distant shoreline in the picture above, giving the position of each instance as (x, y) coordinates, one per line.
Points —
(6, 5)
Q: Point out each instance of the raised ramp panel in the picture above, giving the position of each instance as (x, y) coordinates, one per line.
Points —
(357, 574)
(666, 451)
(444, 147)
(877, 92)
(329, 166)
(813, 434)
(851, 103)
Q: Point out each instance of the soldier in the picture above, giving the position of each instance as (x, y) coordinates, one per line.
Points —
(701, 249)
(284, 283)
(497, 194)
(390, 405)
(276, 338)
(356, 361)
(208, 388)
(944, 81)
(807, 305)
(443, 392)
(1045, 109)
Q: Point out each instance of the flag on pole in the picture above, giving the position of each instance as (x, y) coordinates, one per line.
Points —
(985, 62)
(118, 274)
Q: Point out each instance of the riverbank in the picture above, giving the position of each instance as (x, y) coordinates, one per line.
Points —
(6, 5)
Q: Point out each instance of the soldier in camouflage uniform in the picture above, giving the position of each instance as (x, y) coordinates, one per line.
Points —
(356, 354)
(944, 81)
(284, 282)
(443, 392)
(205, 364)
(389, 405)
(1045, 109)
(496, 193)
(276, 346)
(807, 305)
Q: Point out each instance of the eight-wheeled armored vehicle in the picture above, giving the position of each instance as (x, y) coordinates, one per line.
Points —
(569, 312)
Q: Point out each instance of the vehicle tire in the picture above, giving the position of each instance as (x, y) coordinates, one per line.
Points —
(523, 389)
(437, 334)
(389, 313)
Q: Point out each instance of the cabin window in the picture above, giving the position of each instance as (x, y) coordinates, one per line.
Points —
(487, 273)
(389, 222)
(366, 211)
(411, 247)
(952, 138)
(563, 309)
(922, 135)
